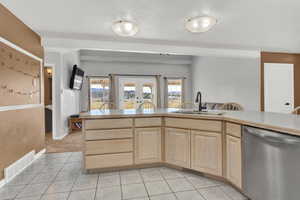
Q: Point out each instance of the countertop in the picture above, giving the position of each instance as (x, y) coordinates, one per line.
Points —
(286, 123)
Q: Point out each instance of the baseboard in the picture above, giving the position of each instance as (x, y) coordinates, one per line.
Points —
(61, 137)
(20, 165)
(39, 154)
(2, 183)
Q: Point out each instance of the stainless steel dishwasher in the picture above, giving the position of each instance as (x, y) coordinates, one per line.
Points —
(271, 165)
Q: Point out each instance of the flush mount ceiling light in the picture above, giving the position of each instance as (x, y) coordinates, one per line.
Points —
(200, 24)
(125, 28)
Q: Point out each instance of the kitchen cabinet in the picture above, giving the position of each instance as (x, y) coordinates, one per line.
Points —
(177, 146)
(147, 145)
(206, 152)
(234, 160)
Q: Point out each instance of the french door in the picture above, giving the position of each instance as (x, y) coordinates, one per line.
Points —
(133, 91)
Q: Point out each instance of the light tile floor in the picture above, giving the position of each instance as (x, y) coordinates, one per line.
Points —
(59, 176)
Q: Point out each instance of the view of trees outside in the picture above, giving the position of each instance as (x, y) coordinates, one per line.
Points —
(99, 92)
(148, 92)
(174, 93)
(129, 96)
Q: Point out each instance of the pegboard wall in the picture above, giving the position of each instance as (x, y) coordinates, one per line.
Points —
(20, 78)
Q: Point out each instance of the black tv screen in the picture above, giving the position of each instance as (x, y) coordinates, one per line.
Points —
(76, 78)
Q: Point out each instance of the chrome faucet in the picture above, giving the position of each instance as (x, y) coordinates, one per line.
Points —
(199, 100)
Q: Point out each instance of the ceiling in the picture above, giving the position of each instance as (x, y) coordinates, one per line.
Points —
(269, 25)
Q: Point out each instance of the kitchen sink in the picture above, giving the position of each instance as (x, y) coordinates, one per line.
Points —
(199, 112)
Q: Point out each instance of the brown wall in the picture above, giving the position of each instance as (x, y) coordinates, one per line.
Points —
(268, 57)
(21, 131)
(15, 31)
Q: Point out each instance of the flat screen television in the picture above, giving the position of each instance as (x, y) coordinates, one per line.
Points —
(76, 78)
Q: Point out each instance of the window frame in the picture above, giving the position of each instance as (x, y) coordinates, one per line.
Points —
(89, 88)
(166, 99)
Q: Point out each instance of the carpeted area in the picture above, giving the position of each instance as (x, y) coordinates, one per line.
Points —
(71, 143)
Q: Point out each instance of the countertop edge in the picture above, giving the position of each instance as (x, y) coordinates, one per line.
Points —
(193, 116)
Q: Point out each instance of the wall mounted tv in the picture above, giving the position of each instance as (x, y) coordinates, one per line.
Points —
(76, 78)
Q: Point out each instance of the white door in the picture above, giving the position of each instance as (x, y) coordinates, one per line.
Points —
(133, 91)
(279, 87)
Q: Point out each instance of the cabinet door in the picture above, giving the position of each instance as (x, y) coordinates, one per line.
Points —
(177, 146)
(234, 160)
(206, 152)
(147, 145)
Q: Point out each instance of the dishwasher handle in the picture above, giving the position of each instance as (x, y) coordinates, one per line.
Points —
(273, 137)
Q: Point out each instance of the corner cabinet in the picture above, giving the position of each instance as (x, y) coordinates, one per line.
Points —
(177, 147)
(206, 152)
(147, 145)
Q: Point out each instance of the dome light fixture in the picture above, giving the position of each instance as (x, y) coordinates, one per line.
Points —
(125, 28)
(200, 24)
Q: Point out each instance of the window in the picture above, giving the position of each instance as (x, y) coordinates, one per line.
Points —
(174, 93)
(129, 95)
(99, 91)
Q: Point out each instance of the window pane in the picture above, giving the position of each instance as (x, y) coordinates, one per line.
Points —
(129, 95)
(99, 92)
(174, 93)
(147, 92)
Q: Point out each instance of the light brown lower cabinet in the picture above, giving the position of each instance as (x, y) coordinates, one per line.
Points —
(234, 160)
(147, 145)
(177, 147)
(108, 160)
(206, 152)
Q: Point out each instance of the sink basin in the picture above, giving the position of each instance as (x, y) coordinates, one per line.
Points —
(199, 112)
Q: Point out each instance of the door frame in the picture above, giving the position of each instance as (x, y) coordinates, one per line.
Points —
(55, 129)
(288, 58)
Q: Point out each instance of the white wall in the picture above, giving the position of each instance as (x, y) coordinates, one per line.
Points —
(227, 80)
(70, 98)
(104, 64)
(66, 101)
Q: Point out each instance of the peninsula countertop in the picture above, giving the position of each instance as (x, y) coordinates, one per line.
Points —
(285, 123)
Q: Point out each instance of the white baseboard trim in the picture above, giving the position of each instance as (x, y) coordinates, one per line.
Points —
(60, 137)
(39, 154)
(19, 167)
(2, 183)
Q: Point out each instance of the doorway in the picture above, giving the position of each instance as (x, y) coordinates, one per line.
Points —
(279, 87)
(48, 72)
(133, 91)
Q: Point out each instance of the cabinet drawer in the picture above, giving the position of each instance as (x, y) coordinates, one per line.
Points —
(233, 129)
(108, 160)
(153, 121)
(209, 125)
(108, 123)
(108, 146)
(108, 134)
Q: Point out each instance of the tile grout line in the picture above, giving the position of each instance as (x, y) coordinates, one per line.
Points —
(144, 183)
(167, 183)
(98, 179)
(98, 184)
(196, 189)
(119, 174)
(36, 174)
(55, 178)
(25, 185)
